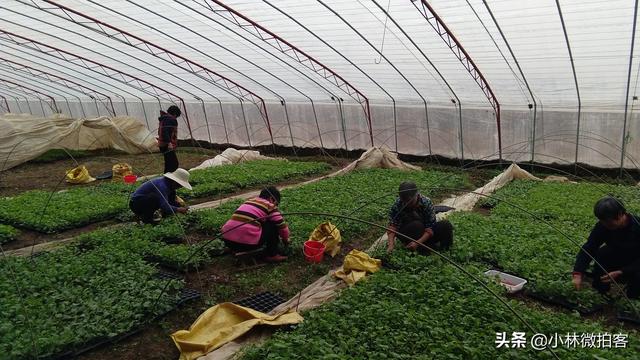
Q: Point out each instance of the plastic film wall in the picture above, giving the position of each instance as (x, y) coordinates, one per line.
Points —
(432, 132)
(423, 77)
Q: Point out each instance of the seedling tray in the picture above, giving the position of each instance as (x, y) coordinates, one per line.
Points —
(172, 240)
(628, 317)
(263, 302)
(564, 303)
(38, 254)
(172, 266)
(442, 208)
(185, 296)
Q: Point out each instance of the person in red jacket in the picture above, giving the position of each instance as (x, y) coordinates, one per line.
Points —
(168, 137)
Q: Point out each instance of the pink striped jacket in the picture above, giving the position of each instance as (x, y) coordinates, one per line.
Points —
(245, 225)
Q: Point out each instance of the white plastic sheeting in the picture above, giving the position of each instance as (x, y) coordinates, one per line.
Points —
(422, 100)
(25, 137)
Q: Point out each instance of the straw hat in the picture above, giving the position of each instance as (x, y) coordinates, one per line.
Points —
(181, 176)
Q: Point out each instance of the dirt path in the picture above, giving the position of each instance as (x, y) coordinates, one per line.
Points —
(50, 176)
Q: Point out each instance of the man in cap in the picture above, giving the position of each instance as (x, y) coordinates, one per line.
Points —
(614, 242)
(412, 219)
(160, 193)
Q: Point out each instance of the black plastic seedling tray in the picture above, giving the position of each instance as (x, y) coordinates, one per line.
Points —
(263, 302)
(628, 317)
(185, 296)
(564, 303)
(442, 208)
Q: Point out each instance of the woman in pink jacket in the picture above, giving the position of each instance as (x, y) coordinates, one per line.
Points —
(257, 223)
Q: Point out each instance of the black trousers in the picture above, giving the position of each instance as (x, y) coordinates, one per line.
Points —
(613, 260)
(269, 239)
(144, 207)
(170, 159)
(441, 240)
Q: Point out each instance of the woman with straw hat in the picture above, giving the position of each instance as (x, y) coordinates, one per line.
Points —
(160, 193)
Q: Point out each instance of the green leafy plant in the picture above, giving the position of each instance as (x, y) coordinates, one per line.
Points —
(349, 195)
(66, 298)
(52, 212)
(188, 257)
(535, 231)
(425, 309)
(8, 233)
(228, 178)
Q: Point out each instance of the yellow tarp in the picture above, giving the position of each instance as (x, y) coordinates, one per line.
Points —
(221, 324)
(329, 235)
(79, 175)
(356, 265)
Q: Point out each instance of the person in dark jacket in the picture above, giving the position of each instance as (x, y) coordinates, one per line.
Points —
(413, 216)
(168, 137)
(614, 242)
(159, 193)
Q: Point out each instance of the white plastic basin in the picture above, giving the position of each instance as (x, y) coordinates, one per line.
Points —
(511, 282)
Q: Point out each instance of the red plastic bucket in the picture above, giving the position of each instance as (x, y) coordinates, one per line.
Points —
(313, 251)
(130, 179)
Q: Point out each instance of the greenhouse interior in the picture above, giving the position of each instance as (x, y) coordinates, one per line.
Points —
(329, 179)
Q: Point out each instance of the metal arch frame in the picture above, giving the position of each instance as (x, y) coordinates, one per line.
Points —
(338, 99)
(626, 101)
(331, 94)
(112, 85)
(518, 82)
(524, 78)
(282, 100)
(17, 102)
(158, 51)
(145, 72)
(459, 103)
(15, 97)
(386, 59)
(8, 38)
(166, 96)
(40, 84)
(575, 78)
(83, 74)
(5, 103)
(205, 78)
(99, 68)
(66, 82)
(467, 62)
(233, 69)
(113, 59)
(30, 4)
(296, 54)
(53, 105)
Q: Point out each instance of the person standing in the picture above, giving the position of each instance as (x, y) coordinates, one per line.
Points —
(168, 137)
